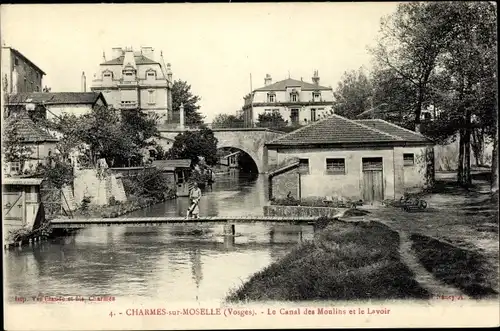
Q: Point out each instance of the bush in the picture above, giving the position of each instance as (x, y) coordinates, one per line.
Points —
(150, 183)
(84, 206)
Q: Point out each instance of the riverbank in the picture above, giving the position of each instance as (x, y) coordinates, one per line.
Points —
(345, 261)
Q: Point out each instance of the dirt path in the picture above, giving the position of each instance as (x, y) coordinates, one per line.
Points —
(422, 276)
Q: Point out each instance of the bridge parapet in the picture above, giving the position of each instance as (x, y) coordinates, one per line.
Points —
(249, 140)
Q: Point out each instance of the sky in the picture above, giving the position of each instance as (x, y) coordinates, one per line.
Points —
(214, 47)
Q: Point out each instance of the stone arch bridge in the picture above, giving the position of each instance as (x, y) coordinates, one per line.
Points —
(249, 140)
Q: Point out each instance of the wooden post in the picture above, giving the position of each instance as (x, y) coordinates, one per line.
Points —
(229, 230)
(229, 241)
(24, 207)
(299, 193)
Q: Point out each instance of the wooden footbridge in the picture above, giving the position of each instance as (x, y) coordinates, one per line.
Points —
(228, 221)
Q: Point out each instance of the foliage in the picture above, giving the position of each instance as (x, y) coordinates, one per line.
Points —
(410, 43)
(228, 121)
(150, 183)
(440, 56)
(57, 172)
(353, 94)
(194, 144)
(13, 147)
(85, 205)
(271, 120)
(106, 133)
(181, 94)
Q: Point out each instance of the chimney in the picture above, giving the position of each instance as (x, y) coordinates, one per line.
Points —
(315, 77)
(181, 117)
(148, 52)
(116, 52)
(268, 80)
(84, 82)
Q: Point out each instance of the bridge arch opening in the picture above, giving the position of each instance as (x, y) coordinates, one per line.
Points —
(237, 158)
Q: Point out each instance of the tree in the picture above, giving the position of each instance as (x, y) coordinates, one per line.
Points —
(117, 137)
(271, 120)
(195, 144)
(228, 121)
(442, 54)
(353, 94)
(181, 94)
(411, 40)
(467, 76)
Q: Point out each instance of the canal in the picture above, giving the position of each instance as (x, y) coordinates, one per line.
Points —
(172, 263)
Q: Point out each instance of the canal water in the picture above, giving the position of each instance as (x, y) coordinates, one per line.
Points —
(173, 263)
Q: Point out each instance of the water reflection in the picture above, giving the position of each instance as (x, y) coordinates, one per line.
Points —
(170, 262)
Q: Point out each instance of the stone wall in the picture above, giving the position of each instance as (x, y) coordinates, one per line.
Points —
(299, 211)
(446, 156)
(284, 183)
(98, 187)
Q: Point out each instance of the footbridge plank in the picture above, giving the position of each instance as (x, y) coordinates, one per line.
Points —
(158, 221)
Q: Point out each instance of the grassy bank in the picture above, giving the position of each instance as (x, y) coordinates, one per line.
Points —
(346, 261)
(117, 208)
(464, 269)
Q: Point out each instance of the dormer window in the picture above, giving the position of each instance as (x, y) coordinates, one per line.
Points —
(271, 97)
(107, 76)
(151, 75)
(129, 74)
(316, 96)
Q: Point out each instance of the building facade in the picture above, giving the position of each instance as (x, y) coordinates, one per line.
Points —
(136, 80)
(297, 101)
(369, 160)
(19, 74)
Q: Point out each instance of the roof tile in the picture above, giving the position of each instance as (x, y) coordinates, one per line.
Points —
(139, 59)
(393, 129)
(289, 82)
(336, 129)
(28, 130)
(54, 98)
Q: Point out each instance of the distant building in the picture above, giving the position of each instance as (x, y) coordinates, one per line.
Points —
(54, 104)
(297, 101)
(136, 80)
(19, 74)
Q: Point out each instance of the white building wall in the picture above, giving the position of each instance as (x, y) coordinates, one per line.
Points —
(319, 184)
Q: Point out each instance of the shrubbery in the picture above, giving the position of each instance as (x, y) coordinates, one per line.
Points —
(150, 183)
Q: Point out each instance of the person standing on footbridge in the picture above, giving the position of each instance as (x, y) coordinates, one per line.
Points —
(194, 197)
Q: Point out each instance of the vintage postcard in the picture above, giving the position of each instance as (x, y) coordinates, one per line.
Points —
(230, 165)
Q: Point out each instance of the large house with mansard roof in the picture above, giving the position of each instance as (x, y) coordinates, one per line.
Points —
(369, 160)
(297, 101)
(136, 80)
